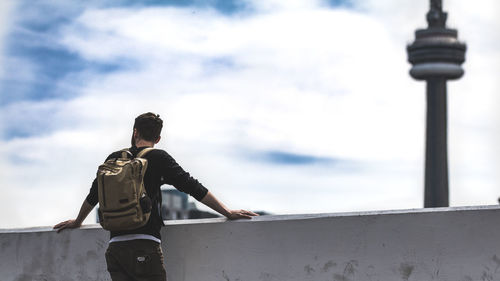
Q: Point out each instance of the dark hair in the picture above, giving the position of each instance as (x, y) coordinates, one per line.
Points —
(148, 126)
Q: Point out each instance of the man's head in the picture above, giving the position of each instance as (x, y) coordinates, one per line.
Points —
(147, 126)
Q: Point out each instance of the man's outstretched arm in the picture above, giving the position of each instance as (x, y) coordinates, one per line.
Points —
(84, 212)
(220, 208)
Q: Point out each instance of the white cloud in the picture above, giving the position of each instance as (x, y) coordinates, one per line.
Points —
(302, 79)
(473, 104)
(280, 67)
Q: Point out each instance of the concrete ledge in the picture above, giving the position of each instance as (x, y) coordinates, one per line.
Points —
(420, 244)
(280, 217)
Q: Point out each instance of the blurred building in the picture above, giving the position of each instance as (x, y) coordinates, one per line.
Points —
(175, 206)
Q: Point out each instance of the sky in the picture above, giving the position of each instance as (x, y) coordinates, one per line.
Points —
(296, 106)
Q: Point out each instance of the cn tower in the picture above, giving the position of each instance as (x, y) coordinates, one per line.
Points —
(436, 56)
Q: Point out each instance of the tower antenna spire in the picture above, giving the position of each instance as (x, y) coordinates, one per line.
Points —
(437, 5)
(436, 17)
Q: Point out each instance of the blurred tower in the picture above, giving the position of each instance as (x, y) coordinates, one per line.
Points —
(436, 56)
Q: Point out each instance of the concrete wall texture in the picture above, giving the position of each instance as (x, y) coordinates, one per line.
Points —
(459, 244)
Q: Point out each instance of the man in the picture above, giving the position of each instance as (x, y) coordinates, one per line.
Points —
(136, 254)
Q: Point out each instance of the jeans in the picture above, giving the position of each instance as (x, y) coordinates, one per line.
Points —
(135, 260)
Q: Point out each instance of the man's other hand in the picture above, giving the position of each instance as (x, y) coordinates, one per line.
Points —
(240, 214)
(67, 224)
(220, 208)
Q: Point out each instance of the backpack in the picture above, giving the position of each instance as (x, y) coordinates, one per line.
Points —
(123, 202)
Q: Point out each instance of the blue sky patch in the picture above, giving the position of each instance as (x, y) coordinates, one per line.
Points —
(288, 158)
(339, 3)
(226, 7)
(37, 63)
(38, 69)
(50, 65)
(218, 64)
(26, 124)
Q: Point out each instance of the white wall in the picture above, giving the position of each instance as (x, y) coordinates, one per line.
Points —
(459, 244)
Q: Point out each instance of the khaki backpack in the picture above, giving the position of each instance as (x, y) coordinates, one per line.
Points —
(123, 202)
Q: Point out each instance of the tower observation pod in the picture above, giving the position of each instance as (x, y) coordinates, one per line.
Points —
(436, 56)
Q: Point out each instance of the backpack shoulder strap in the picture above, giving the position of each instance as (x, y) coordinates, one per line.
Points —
(144, 151)
(126, 152)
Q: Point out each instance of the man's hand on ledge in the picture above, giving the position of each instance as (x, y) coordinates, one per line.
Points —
(240, 214)
(67, 224)
(84, 212)
(211, 201)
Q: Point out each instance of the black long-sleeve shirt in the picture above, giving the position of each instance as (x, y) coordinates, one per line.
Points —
(162, 169)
